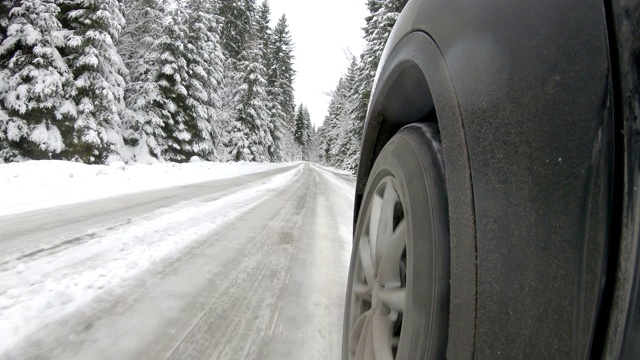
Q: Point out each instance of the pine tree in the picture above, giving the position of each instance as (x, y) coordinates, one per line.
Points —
(143, 123)
(204, 62)
(281, 72)
(229, 98)
(139, 80)
(280, 88)
(353, 123)
(304, 134)
(212, 52)
(182, 95)
(264, 35)
(250, 135)
(313, 143)
(332, 129)
(98, 72)
(300, 126)
(380, 22)
(340, 133)
(237, 28)
(309, 148)
(143, 21)
(33, 80)
(171, 83)
(236, 33)
(264, 32)
(5, 8)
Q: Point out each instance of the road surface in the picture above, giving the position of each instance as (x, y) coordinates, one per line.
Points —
(251, 267)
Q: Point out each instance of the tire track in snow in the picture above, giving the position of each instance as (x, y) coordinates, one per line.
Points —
(44, 289)
(41, 232)
(235, 325)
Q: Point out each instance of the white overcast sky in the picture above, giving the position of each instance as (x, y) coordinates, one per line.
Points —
(321, 32)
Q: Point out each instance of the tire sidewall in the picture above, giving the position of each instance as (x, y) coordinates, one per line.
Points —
(413, 158)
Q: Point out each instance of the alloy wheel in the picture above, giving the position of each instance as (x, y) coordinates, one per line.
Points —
(379, 286)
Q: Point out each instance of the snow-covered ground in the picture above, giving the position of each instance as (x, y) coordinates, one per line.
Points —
(46, 289)
(243, 267)
(40, 184)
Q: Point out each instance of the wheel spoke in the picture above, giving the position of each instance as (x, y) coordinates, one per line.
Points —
(385, 224)
(363, 338)
(366, 261)
(362, 290)
(389, 272)
(382, 334)
(394, 298)
(378, 288)
(374, 218)
(356, 333)
(368, 348)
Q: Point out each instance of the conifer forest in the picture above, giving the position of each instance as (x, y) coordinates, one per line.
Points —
(142, 81)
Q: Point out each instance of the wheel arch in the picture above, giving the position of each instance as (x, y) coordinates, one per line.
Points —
(414, 85)
(536, 107)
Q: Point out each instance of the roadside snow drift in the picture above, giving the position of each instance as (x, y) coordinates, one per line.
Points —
(35, 185)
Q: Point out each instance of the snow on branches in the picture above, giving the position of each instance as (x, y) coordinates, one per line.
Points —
(99, 81)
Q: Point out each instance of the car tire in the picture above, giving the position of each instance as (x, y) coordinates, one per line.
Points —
(398, 288)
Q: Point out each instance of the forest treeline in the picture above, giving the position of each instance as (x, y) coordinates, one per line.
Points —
(341, 133)
(99, 81)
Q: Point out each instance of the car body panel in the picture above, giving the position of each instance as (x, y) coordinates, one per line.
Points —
(532, 84)
(623, 338)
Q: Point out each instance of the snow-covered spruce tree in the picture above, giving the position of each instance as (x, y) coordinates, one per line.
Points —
(300, 126)
(281, 73)
(380, 22)
(237, 28)
(349, 144)
(332, 130)
(236, 32)
(251, 136)
(98, 72)
(208, 9)
(313, 143)
(205, 62)
(227, 110)
(5, 8)
(171, 79)
(185, 80)
(341, 131)
(280, 78)
(265, 36)
(143, 122)
(143, 21)
(33, 81)
(264, 31)
(304, 133)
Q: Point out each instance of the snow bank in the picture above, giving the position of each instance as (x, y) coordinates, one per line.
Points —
(41, 184)
(41, 290)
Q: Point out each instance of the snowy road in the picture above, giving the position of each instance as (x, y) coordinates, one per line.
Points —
(249, 267)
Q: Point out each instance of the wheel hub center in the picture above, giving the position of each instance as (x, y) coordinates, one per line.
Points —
(375, 296)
